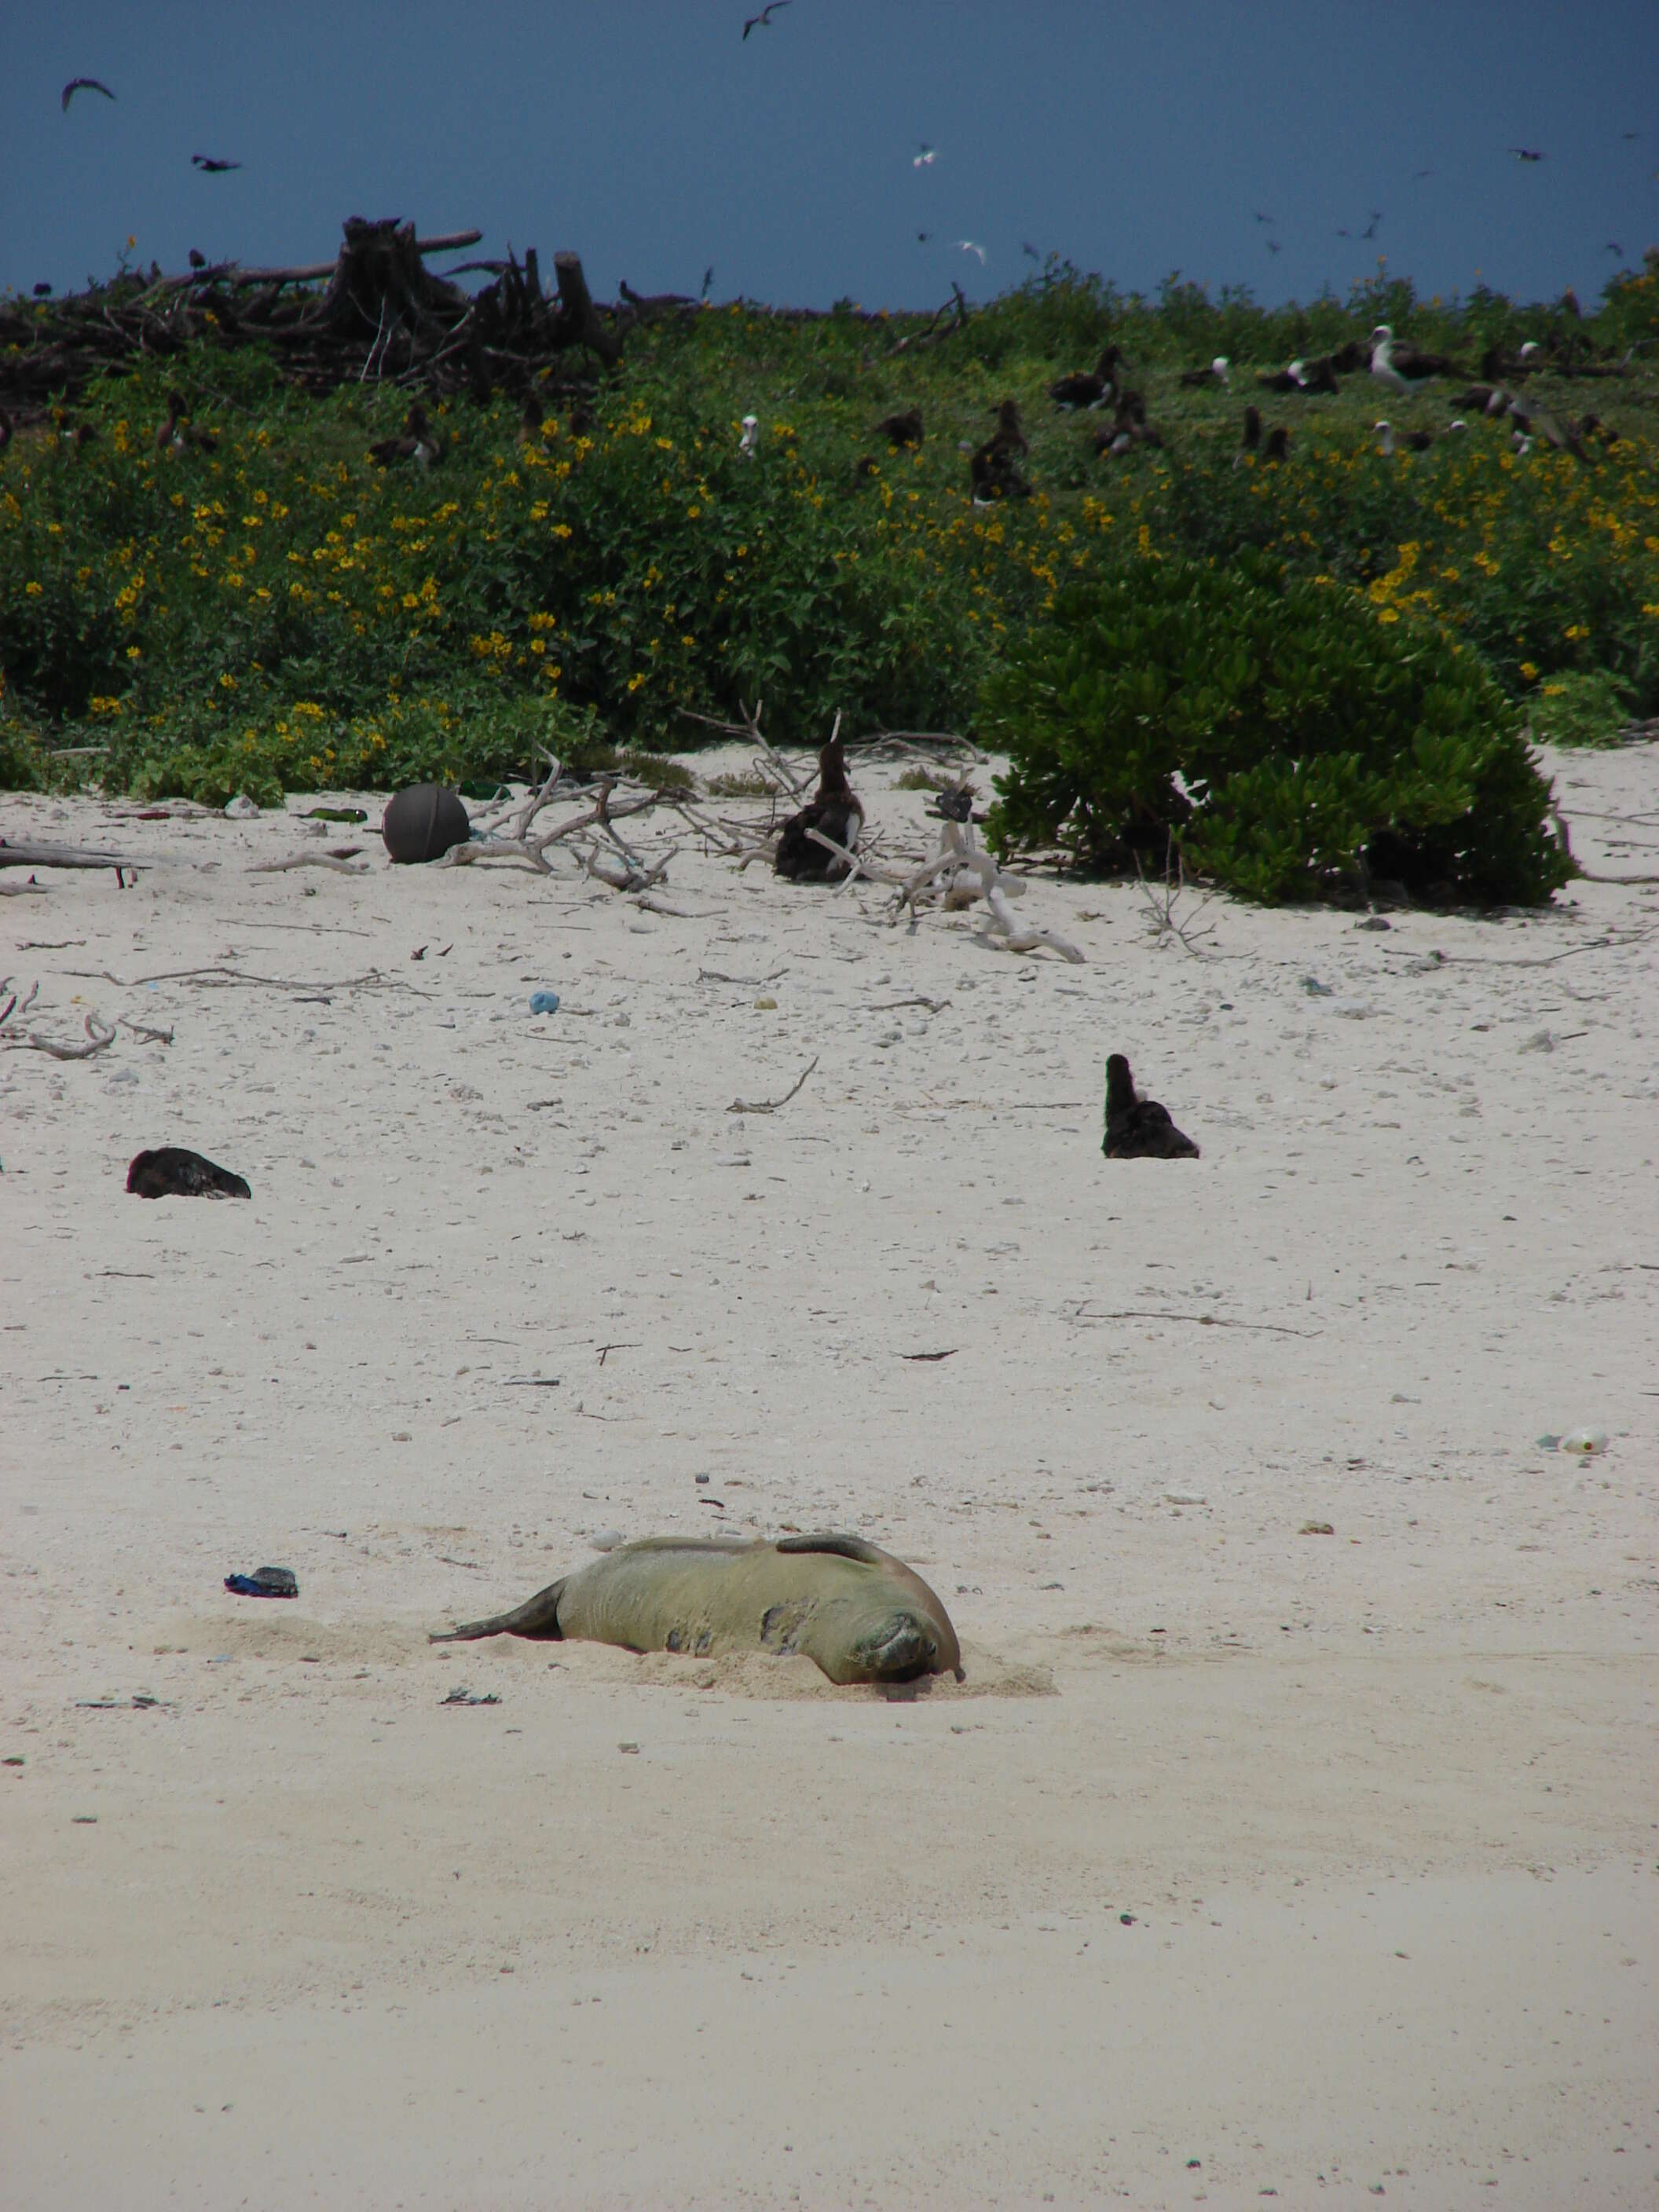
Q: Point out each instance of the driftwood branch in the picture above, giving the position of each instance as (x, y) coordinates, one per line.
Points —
(771, 1105)
(99, 1036)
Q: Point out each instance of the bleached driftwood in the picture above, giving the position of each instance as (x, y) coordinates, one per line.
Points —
(98, 1036)
(962, 872)
(305, 860)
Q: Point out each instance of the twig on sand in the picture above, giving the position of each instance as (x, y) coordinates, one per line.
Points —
(1587, 875)
(370, 979)
(99, 1035)
(1198, 1321)
(771, 1105)
(149, 1036)
(1161, 912)
(305, 860)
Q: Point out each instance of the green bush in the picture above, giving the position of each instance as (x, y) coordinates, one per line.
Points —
(1589, 709)
(1283, 733)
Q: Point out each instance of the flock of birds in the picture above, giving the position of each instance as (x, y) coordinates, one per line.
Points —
(992, 466)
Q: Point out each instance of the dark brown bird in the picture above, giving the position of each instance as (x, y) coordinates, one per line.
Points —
(1218, 371)
(901, 429)
(1276, 446)
(1089, 387)
(1008, 437)
(210, 167)
(992, 475)
(530, 422)
(837, 810)
(1355, 355)
(82, 84)
(1251, 441)
(177, 435)
(764, 19)
(419, 442)
(1139, 1128)
(170, 1171)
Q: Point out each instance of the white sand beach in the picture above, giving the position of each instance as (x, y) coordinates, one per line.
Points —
(1246, 1865)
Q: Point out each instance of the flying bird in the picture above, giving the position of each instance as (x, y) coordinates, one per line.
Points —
(925, 157)
(1369, 231)
(707, 279)
(210, 167)
(764, 18)
(1524, 154)
(1418, 175)
(1027, 247)
(1613, 247)
(82, 84)
(1274, 245)
(967, 246)
(922, 237)
(1260, 217)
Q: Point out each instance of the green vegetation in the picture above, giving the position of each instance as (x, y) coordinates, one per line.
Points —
(280, 613)
(1279, 734)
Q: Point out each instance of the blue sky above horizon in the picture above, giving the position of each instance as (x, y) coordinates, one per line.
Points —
(656, 141)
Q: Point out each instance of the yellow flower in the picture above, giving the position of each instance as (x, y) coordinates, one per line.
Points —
(1528, 670)
(227, 682)
(1579, 629)
(32, 591)
(634, 682)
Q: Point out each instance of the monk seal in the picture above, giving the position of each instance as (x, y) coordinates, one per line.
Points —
(171, 1171)
(860, 1614)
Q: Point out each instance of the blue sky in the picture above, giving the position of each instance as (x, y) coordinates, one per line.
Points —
(654, 140)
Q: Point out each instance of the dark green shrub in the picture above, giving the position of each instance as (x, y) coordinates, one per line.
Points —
(1283, 733)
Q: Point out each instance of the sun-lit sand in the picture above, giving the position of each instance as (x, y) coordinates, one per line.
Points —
(1244, 1860)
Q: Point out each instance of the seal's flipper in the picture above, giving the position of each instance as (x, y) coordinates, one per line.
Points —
(538, 1617)
(842, 1547)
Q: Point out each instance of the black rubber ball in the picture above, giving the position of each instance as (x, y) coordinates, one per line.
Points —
(422, 823)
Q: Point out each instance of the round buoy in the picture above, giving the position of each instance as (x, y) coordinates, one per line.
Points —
(422, 823)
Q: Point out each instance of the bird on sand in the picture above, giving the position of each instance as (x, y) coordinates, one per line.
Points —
(1139, 1128)
(82, 84)
(764, 18)
(835, 811)
(210, 167)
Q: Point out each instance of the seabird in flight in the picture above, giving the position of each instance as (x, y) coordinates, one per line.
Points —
(82, 84)
(210, 167)
(967, 246)
(1274, 245)
(764, 18)
(927, 156)
(1525, 154)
